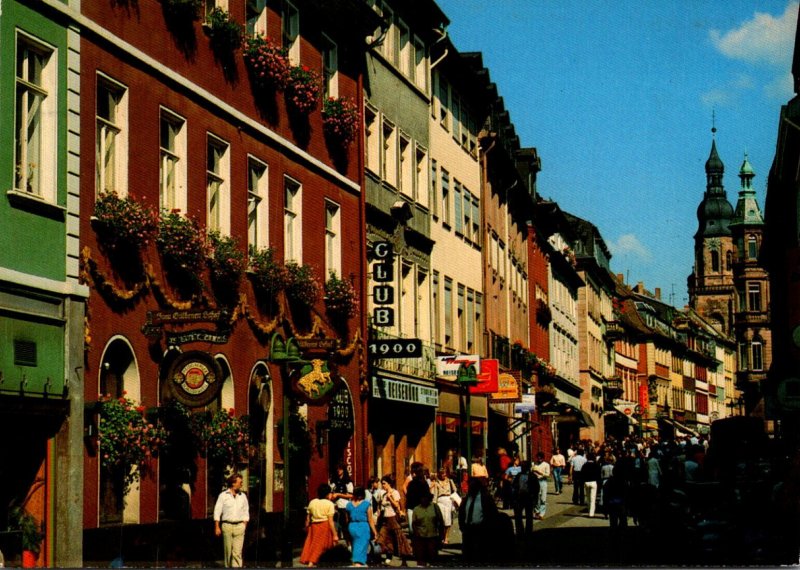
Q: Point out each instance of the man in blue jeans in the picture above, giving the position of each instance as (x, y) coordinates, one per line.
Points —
(576, 465)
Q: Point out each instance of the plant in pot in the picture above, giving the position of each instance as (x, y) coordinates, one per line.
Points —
(302, 287)
(303, 89)
(127, 439)
(341, 299)
(223, 31)
(32, 534)
(123, 225)
(340, 120)
(267, 62)
(269, 275)
(181, 243)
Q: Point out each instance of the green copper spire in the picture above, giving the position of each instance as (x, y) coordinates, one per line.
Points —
(747, 210)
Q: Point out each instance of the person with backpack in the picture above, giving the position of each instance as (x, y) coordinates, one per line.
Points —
(525, 490)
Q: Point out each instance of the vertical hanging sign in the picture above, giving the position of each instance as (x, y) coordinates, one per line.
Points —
(383, 292)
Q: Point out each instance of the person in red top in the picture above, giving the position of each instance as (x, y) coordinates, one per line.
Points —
(504, 461)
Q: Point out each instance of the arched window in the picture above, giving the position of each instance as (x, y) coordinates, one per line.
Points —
(261, 467)
(714, 260)
(729, 261)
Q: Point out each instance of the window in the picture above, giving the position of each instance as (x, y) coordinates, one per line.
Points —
(476, 220)
(420, 65)
(371, 140)
(714, 260)
(330, 67)
(479, 314)
(172, 195)
(403, 56)
(754, 296)
(257, 206)
(256, 17)
(389, 159)
(455, 107)
(467, 214)
(35, 121)
(445, 197)
(217, 186)
(443, 101)
(461, 315)
(728, 261)
(743, 360)
(434, 197)
(292, 221)
(457, 207)
(752, 247)
(470, 347)
(448, 311)
(389, 46)
(421, 176)
(465, 122)
(290, 31)
(437, 311)
(758, 355)
(408, 300)
(110, 137)
(333, 239)
(406, 167)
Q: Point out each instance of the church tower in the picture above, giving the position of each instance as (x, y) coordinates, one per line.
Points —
(711, 284)
(752, 325)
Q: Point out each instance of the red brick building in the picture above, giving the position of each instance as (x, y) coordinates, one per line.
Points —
(175, 117)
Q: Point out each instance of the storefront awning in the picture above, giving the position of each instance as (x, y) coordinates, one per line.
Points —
(627, 411)
(679, 426)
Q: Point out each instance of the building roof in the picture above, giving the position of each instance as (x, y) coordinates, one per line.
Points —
(747, 211)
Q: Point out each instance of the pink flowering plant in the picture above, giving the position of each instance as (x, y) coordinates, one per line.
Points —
(340, 296)
(227, 261)
(222, 437)
(127, 440)
(268, 62)
(340, 119)
(304, 88)
(268, 274)
(302, 286)
(181, 242)
(124, 223)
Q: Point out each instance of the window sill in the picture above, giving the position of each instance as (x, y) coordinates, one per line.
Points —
(36, 205)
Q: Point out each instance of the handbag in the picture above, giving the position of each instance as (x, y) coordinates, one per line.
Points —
(456, 498)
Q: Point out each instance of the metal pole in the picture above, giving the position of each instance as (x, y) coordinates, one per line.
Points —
(287, 530)
(469, 429)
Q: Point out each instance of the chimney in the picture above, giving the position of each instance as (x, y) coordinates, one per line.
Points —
(658, 293)
(621, 278)
(639, 287)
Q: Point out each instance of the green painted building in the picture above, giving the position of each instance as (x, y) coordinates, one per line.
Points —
(42, 302)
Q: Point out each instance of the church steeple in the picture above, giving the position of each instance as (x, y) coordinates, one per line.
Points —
(715, 212)
(747, 210)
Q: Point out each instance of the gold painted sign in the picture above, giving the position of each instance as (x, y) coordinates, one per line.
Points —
(313, 381)
(509, 387)
(195, 378)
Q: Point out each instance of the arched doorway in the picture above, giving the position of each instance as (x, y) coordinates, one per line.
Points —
(260, 469)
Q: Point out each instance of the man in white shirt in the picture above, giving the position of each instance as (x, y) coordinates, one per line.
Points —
(541, 470)
(231, 515)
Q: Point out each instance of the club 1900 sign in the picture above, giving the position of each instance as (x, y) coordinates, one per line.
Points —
(195, 378)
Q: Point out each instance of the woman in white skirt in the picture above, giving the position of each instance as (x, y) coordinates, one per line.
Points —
(442, 489)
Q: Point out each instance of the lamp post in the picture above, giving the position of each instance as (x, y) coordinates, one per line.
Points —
(467, 376)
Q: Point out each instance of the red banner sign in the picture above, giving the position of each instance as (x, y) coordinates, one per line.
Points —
(487, 377)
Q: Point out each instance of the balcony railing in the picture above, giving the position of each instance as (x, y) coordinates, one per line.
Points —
(422, 367)
(614, 330)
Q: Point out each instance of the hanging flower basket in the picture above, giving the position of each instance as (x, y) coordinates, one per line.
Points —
(224, 33)
(222, 437)
(181, 242)
(127, 440)
(340, 296)
(340, 119)
(303, 89)
(268, 275)
(123, 224)
(227, 262)
(302, 287)
(267, 62)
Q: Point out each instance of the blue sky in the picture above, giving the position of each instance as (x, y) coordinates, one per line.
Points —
(617, 96)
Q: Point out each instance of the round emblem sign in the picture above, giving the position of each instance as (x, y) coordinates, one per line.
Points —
(195, 378)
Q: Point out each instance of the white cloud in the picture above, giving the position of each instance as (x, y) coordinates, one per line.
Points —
(764, 38)
(629, 245)
(718, 98)
(781, 88)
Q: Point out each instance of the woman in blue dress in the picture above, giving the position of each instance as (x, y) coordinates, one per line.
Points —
(361, 526)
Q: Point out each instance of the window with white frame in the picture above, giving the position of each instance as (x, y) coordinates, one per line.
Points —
(256, 17)
(406, 166)
(458, 203)
(372, 140)
(422, 325)
(467, 214)
(443, 101)
(330, 67)
(257, 204)
(754, 296)
(461, 316)
(211, 4)
(436, 309)
(757, 349)
(752, 247)
(390, 44)
(476, 220)
(389, 154)
(455, 107)
(290, 31)
(217, 185)
(404, 55)
(445, 197)
(470, 347)
(292, 221)
(111, 149)
(333, 238)
(172, 176)
(408, 299)
(35, 121)
(434, 188)
(478, 315)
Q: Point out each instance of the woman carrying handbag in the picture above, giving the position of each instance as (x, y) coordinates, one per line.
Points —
(391, 537)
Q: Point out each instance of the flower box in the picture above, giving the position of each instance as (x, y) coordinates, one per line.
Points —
(123, 224)
(268, 275)
(340, 119)
(341, 298)
(224, 33)
(227, 261)
(267, 62)
(302, 287)
(303, 89)
(181, 242)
